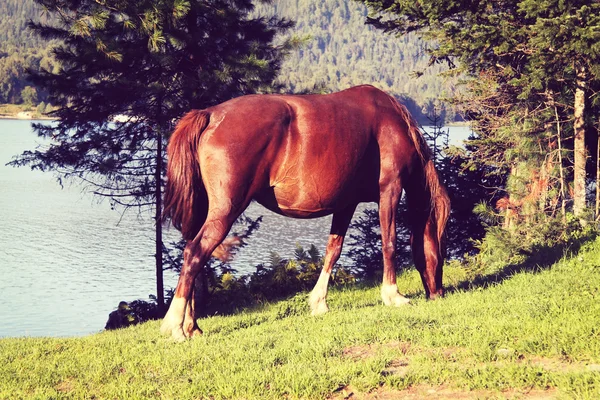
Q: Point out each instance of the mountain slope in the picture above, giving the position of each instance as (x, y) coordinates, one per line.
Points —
(342, 51)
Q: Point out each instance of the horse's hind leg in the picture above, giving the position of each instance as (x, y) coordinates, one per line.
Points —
(339, 226)
(189, 321)
(180, 320)
(388, 205)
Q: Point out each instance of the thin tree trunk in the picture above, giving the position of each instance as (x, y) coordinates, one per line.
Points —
(544, 180)
(579, 145)
(598, 171)
(160, 293)
(563, 193)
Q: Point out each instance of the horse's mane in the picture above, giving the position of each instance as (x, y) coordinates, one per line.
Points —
(418, 140)
(439, 200)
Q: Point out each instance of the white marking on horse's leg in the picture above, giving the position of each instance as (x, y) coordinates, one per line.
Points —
(391, 296)
(339, 226)
(173, 322)
(318, 296)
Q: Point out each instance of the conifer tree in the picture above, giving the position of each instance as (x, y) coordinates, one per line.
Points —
(145, 63)
(527, 61)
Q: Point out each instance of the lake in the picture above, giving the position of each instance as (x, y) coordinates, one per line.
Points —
(67, 258)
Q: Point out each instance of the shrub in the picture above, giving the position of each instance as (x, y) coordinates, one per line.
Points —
(223, 292)
(540, 243)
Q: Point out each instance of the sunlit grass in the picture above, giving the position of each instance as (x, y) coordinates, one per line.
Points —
(535, 332)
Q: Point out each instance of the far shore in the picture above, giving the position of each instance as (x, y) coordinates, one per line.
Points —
(33, 118)
(23, 112)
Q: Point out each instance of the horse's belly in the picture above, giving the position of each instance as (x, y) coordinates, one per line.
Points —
(314, 182)
(302, 212)
(297, 203)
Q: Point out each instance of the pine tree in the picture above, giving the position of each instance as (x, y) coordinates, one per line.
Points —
(128, 70)
(526, 61)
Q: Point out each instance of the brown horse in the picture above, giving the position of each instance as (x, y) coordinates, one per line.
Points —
(303, 157)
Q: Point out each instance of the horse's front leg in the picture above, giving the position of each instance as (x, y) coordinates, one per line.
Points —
(339, 226)
(388, 205)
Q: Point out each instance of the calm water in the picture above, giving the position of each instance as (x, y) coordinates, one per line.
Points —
(66, 259)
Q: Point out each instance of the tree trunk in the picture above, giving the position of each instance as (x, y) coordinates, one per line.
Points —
(579, 145)
(160, 296)
(563, 192)
(598, 171)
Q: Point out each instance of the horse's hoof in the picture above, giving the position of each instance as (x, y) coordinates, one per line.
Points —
(178, 335)
(318, 305)
(398, 301)
(193, 331)
(319, 309)
(177, 332)
(166, 329)
(196, 332)
(391, 297)
(437, 295)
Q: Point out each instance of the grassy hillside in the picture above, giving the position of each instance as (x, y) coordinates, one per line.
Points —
(527, 332)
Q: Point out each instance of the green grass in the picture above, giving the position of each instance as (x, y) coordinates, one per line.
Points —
(533, 333)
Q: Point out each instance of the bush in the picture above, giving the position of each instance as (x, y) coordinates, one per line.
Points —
(538, 244)
(278, 279)
(225, 293)
(133, 313)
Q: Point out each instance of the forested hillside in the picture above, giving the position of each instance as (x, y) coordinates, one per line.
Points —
(15, 14)
(339, 51)
(20, 49)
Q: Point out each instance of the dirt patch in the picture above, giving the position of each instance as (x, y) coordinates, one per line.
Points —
(65, 386)
(560, 366)
(362, 351)
(442, 393)
(400, 366)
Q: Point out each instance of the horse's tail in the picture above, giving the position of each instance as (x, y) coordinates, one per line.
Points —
(439, 200)
(186, 202)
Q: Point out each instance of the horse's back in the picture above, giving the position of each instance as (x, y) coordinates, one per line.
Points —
(306, 155)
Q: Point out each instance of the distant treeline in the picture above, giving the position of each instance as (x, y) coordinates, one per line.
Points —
(342, 51)
(20, 50)
(338, 51)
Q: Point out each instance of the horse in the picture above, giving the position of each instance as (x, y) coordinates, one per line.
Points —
(302, 156)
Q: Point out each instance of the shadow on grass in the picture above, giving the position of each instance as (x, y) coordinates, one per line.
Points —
(244, 296)
(538, 259)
